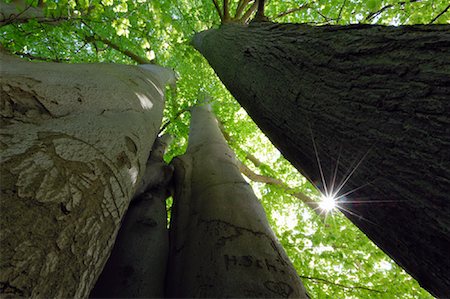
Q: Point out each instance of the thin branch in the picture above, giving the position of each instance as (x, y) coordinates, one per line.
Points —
(184, 19)
(244, 169)
(313, 205)
(249, 12)
(340, 285)
(340, 12)
(276, 182)
(216, 5)
(440, 14)
(167, 123)
(373, 15)
(240, 8)
(133, 56)
(327, 19)
(9, 15)
(10, 11)
(257, 177)
(253, 159)
(292, 10)
(40, 58)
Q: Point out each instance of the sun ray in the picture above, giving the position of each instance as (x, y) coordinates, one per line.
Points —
(318, 161)
(336, 170)
(353, 190)
(354, 214)
(353, 171)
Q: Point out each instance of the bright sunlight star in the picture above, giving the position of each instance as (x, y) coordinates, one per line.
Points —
(327, 203)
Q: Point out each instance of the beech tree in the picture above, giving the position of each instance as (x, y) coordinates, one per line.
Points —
(336, 92)
(332, 257)
(73, 151)
(221, 242)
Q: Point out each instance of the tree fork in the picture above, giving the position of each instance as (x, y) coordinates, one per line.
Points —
(376, 92)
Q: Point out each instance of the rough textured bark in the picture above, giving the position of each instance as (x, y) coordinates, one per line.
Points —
(221, 245)
(137, 265)
(75, 140)
(372, 91)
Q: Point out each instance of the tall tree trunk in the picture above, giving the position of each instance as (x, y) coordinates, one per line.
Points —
(137, 265)
(221, 243)
(376, 92)
(75, 141)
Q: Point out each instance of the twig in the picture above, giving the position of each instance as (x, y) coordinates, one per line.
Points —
(9, 15)
(42, 20)
(12, 17)
(184, 19)
(40, 58)
(440, 14)
(373, 15)
(327, 19)
(340, 285)
(340, 12)
(167, 123)
(128, 53)
(292, 10)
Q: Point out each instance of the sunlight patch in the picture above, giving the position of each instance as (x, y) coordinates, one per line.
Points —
(145, 101)
(133, 172)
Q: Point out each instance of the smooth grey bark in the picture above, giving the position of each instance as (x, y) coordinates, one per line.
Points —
(221, 245)
(379, 94)
(74, 144)
(136, 267)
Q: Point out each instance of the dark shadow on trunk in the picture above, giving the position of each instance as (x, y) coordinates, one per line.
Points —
(373, 100)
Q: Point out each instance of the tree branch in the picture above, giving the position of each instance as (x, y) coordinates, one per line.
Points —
(292, 10)
(244, 169)
(340, 12)
(440, 14)
(9, 14)
(340, 285)
(133, 56)
(327, 19)
(249, 12)
(260, 17)
(373, 15)
(240, 8)
(253, 159)
(163, 127)
(313, 205)
(216, 5)
(226, 11)
(40, 58)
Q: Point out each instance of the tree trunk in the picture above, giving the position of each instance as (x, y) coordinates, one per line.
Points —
(221, 243)
(137, 265)
(371, 92)
(75, 141)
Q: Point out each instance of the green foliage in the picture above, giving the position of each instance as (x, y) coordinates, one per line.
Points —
(334, 259)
